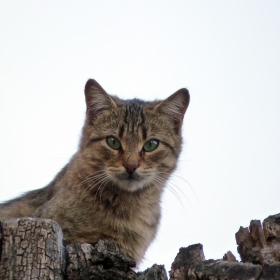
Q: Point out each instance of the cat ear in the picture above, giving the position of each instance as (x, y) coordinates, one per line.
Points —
(97, 99)
(175, 106)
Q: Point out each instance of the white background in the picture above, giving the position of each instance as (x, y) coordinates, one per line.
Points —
(227, 53)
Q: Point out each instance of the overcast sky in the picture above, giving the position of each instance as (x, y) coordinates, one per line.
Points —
(227, 53)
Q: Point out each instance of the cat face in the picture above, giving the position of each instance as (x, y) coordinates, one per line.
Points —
(131, 143)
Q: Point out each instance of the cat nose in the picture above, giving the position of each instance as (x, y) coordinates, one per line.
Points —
(130, 168)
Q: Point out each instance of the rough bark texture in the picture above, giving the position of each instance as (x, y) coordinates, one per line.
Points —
(102, 261)
(190, 264)
(190, 268)
(260, 245)
(32, 249)
(228, 256)
(156, 272)
(186, 259)
(221, 270)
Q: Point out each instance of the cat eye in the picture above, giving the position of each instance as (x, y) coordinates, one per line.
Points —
(150, 145)
(113, 143)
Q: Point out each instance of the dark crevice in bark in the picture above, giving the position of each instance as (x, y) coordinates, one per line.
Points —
(33, 249)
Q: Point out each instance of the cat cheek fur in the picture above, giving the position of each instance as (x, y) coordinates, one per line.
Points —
(112, 194)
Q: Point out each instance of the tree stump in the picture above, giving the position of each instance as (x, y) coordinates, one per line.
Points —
(156, 272)
(103, 261)
(186, 259)
(260, 244)
(32, 249)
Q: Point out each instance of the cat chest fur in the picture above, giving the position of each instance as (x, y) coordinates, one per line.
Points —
(130, 219)
(112, 187)
(134, 222)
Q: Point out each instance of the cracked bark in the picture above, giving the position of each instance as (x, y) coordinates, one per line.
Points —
(31, 249)
(258, 246)
(102, 261)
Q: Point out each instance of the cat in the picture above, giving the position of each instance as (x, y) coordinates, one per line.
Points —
(112, 187)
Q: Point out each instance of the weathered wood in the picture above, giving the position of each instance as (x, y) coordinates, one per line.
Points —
(223, 270)
(31, 249)
(190, 264)
(259, 249)
(186, 259)
(260, 245)
(1, 235)
(229, 256)
(156, 272)
(103, 261)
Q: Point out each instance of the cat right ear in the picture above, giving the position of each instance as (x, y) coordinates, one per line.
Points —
(175, 106)
(97, 99)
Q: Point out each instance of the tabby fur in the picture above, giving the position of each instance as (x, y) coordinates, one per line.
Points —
(103, 193)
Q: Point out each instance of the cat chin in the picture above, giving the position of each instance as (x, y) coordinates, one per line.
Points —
(131, 185)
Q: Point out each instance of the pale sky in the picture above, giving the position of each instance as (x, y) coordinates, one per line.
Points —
(227, 53)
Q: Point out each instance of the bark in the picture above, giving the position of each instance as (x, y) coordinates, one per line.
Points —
(103, 261)
(228, 256)
(156, 272)
(260, 244)
(31, 249)
(222, 270)
(186, 259)
(259, 248)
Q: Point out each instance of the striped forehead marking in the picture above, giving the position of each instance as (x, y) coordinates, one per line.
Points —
(134, 115)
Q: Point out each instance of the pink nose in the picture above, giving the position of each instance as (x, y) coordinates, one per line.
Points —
(130, 167)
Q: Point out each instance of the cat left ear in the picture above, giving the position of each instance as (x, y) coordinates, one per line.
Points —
(175, 106)
(97, 99)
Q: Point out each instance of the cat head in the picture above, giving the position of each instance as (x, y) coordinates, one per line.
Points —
(132, 143)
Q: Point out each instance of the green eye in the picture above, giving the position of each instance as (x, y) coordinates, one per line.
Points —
(113, 143)
(150, 145)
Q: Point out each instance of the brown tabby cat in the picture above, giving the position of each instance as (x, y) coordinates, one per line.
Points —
(112, 187)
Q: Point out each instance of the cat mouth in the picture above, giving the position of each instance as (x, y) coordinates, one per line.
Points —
(131, 182)
(130, 177)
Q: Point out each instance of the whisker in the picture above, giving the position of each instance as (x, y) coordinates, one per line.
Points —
(188, 185)
(178, 188)
(171, 183)
(89, 177)
(88, 189)
(94, 163)
(102, 181)
(169, 187)
(104, 185)
(175, 175)
(154, 182)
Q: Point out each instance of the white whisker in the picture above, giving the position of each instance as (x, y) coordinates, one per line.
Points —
(101, 182)
(98, 179)
(169, 187)
(88, 178)
(175, 175)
